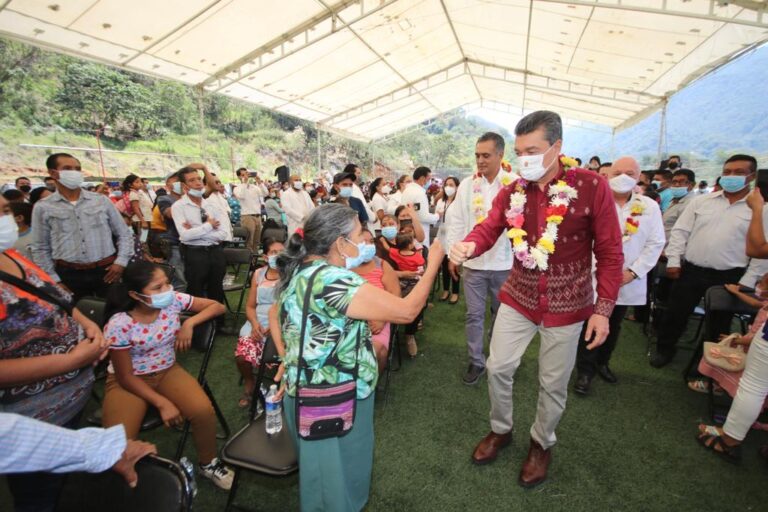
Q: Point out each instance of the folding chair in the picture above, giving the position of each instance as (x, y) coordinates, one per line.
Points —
(239, 236)
(236, 258)
(252, 449)
(202, 337)
(394, 347)
(164, 486)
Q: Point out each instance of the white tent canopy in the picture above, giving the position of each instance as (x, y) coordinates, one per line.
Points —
(368, 68)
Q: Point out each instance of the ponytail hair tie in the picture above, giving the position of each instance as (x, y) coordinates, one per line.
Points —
(300, 232)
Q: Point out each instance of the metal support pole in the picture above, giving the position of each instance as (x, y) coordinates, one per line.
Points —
(613, 141)
(101, 155)
(319, 151)
(201, 121)
(662, 130)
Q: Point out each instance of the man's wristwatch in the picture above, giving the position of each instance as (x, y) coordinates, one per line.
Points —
(633, 273)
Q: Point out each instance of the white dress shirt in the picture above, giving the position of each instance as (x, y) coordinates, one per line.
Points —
(251, 197)
(711, 232)
(379, 202)
(297, 204)
(184, 211)
(415, 194)
(460, 219)
(393, 202)
(641, 250)
(222, 204)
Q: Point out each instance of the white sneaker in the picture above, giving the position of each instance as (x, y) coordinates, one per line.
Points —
(218, 473)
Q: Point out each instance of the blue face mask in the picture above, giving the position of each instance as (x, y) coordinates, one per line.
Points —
(679, 192)
(176, 187)
(426, 185)
(732, 184)
(345, 192)
(160, 300)
(389, 232)
(351, 262)
(368, 252)
(272, 261)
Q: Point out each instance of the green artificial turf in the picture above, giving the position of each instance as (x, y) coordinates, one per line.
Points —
(628, 446)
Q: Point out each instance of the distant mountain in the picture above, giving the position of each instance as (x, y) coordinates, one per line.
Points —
(720, 114)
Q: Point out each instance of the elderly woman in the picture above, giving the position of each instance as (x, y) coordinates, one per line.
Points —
(336, 471)
(45, 364)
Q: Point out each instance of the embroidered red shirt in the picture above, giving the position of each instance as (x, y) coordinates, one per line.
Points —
(562, 294)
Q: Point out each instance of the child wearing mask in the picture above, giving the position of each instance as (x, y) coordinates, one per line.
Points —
(253, 334)
(144, 332)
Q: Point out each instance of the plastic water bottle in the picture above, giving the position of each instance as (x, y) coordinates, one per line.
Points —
(189, 469)
(274, 411)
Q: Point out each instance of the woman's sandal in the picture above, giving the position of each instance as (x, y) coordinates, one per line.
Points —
(454, 300)
(443, 297)
(699, 385)
(716, 443)
(245, 400)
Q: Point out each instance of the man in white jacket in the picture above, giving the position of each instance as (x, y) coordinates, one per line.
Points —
(296, 203)
(642, 242)
(483, 276)
(415, 193)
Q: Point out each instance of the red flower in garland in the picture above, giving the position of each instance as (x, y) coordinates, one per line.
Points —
(560, 210)
(634, 222)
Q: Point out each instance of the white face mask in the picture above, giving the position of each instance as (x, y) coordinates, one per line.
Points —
(622, 183)
(449, 191)
(195, 193)
(532, 166)
(71, 179)
(386, 189)
(9, 232)
(176, 187)
(297, 185)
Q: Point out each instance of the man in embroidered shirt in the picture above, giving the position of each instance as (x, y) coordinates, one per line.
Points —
(706, 249)
(74, 233)
(483, 276)
(643, 241)
(552, 295)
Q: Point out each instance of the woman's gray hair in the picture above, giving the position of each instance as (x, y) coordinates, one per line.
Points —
(324, 225)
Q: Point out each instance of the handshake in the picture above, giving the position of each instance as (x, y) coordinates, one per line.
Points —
(461, 252)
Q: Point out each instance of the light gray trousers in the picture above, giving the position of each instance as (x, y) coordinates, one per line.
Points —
(512, 333)
(479, 287)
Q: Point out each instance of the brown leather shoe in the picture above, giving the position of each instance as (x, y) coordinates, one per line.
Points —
(488, 449)
(535, 467)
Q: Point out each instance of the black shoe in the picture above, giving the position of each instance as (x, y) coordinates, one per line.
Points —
(583, 382)
(661, 359)
(473, 375)
(606, 374)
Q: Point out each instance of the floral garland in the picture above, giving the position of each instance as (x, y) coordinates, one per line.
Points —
(478, 200)
(632, 224)
(561, 194)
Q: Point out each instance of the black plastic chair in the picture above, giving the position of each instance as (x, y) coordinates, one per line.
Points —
(239, 236)
(164, 486)
(236, 258)
(251, 448)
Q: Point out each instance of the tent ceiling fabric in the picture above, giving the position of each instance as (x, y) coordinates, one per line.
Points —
(369, 68)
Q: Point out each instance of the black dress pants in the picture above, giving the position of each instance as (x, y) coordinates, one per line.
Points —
(587, 361)
(204, 269)
(685, 295)
(84, 283)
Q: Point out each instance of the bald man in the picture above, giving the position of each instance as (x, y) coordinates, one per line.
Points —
(642, 242)
(296, 203)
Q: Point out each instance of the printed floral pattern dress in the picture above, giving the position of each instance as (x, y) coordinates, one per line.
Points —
(331, 336)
